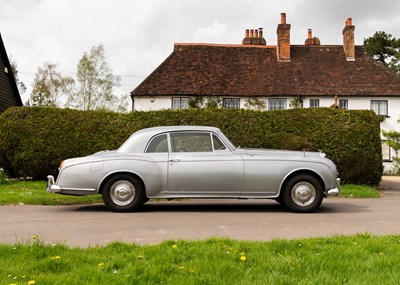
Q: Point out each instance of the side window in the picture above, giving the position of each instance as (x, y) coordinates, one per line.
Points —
(191, 142)
(218, 145)
(158, 144)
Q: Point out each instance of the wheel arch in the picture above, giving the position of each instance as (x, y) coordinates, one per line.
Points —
(110, 175)
(300, 172)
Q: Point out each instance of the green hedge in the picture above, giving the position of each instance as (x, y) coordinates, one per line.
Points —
(33, 141)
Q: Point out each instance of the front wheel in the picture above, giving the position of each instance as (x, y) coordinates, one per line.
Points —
(303, 193)
(123, 192)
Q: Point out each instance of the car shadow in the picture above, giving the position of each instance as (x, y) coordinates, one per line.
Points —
(216, 207)
(221, 206)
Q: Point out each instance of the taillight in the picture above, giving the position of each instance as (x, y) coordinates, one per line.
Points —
(61, 164)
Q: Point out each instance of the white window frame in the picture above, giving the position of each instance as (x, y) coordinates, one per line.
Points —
(314, 103)
(380, 107)
(231, 103)
(277, 104)
(343, 104)
(386, 152)
(178, 103)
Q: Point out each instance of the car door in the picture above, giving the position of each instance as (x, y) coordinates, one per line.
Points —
(158, 151)
(201, 165)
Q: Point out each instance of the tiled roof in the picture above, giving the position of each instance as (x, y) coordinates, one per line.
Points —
(240, 70)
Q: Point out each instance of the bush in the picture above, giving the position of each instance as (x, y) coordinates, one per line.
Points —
(3, 177)
(33, 141)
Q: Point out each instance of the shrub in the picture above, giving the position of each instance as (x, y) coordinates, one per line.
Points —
(33, 141)
(3, 177)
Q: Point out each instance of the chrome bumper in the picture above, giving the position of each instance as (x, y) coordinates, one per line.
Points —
(334, 191)
(51, 186)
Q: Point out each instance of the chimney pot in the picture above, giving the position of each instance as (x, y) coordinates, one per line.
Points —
(256, 33)
(251, 33)
(261, 32)
(246, 34)
(283, 18)
(309, 33)
(348, 22)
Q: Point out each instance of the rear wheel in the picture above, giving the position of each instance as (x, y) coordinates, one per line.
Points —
(303, 193)
(123, 192)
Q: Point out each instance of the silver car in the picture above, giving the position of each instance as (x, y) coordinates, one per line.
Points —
(196, 162)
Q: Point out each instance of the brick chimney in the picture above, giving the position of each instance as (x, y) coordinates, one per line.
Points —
(254, 37)
(348, 41)
(283, 46)
(311, 41)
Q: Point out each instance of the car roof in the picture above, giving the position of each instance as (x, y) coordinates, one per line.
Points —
(178, 128)
(138, 140)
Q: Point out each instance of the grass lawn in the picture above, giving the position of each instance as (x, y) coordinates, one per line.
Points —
(34, 193)
(359, 259)
(358, 191)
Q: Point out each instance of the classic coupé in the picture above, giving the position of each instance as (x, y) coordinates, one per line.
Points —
(196, 162)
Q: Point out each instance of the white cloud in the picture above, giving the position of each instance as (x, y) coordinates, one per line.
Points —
(211, 34)
(139, 34)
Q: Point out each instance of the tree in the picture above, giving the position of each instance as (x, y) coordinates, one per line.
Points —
(49, 86)
(14, 66)
(96, 83)
(394, 142)
(385, 49)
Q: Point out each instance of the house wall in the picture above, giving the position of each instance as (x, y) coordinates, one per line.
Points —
(165, 102)
(364, 103)
(152, 103)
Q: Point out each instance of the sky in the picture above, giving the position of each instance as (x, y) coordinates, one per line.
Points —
(138, 35)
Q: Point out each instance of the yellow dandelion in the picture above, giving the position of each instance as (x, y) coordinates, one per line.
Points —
(34, 237)
(12, 284)
(55, 257)
(381, 254)
(100, 264)
(181, 267)
(174, 246)
(31, 282)
(243, 258)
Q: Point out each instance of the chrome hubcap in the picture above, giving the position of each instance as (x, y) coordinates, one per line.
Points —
(122, 192)
(303, 193)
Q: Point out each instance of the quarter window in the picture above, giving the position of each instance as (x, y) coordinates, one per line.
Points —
(314, 103)
(277, 104)
(380, 107)
(180, 103)
(230, 103)
(158, 144)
